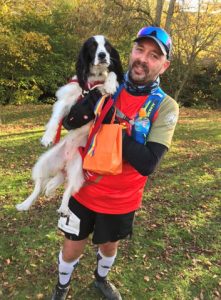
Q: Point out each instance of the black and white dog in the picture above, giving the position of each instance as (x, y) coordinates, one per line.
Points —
(99, 62)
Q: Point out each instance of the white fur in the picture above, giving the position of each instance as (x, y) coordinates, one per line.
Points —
(52, 166)
(67, 96)
(63, 161)
(101, 48)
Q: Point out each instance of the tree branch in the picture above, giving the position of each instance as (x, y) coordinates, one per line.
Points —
(149, 19)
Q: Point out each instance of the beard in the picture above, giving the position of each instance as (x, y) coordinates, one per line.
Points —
(140, 78)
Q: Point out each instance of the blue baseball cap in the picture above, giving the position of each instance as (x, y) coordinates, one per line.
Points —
(159, 35)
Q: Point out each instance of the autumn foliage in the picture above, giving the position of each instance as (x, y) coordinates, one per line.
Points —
(39, 41)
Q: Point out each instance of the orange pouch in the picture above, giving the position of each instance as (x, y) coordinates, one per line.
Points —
(107, 155)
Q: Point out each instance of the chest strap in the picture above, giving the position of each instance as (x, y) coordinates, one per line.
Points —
(151, 104)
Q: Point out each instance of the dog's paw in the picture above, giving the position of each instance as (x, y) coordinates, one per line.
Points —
(47, 139)
(64, 211)
(111, 84)
(54, 183)
(110, 88)
(50, 189)
(22, 207)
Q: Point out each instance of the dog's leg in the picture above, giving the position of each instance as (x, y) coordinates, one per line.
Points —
(75, 182)
(63, 209)
(54, 183)
(67, 96)
(59, 110)
(75, 173)
(48, 165)
(25, 205)
(50, 162)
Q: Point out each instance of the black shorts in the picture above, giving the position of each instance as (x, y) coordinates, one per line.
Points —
(105, 227)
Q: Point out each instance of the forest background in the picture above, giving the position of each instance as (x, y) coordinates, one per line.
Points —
(40, 40)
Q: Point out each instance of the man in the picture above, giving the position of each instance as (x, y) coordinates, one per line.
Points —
(106, 208)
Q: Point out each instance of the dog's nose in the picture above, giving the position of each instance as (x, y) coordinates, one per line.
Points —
(102, 55)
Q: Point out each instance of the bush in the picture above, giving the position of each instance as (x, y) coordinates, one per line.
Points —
(205, 87)
(37, 56)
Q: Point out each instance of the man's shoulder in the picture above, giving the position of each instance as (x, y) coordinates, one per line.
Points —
(169, 101)
(163, 127)
(168, 112)
(169, 104)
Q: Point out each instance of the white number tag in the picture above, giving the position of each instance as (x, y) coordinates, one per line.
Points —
(69, 224)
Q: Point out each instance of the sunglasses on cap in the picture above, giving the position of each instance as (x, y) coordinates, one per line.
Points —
(160, 36)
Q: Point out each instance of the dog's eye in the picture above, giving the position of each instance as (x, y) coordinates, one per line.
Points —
(93, 46)
(108, 47)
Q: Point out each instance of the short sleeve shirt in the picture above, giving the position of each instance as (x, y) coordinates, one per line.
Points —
(163, 127)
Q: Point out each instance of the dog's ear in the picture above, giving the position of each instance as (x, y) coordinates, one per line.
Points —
(82, 65)
(116, 65)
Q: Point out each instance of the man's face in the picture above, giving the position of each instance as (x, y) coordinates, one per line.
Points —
(146, 62)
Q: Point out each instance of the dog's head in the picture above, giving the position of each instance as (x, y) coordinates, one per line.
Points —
(97, 56)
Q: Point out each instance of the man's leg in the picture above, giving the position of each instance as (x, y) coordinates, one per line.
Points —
(69, 258)
(67, 262)
(77, 227)
(105, 259)
(111, 228)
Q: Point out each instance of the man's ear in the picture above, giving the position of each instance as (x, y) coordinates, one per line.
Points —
(165, 67)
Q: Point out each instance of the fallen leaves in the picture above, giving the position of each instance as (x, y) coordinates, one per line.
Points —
(27, 272)
(162, 255)
(146, 278)
(201, 296)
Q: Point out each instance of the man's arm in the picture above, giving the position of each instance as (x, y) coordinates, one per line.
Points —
(144, 158)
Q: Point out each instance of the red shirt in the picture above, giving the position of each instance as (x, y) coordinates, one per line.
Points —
(117, 194)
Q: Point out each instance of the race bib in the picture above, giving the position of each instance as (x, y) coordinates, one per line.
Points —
(69, 224)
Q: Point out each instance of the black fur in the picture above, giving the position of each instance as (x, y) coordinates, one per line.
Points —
(115, 65)
(86, 58)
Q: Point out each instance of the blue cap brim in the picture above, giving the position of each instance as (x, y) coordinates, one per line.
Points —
(162, 48)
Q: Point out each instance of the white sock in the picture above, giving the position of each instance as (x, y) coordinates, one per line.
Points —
(104, 263)
(65, 269)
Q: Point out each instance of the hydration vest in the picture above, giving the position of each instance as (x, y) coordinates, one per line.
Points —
(151, 105)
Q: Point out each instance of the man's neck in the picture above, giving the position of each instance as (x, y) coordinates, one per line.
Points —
(136, 89)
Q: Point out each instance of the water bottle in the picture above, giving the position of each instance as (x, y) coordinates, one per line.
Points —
(141, 127)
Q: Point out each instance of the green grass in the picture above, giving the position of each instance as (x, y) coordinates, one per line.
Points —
(175, 252)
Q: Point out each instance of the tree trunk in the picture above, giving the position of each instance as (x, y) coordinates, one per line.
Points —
(179, 90)
(159, 9)
(170, 15)
(186, 76)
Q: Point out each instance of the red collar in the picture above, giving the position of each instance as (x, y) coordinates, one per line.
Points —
(88, 85)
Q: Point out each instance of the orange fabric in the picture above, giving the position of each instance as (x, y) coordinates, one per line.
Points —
(107, 155)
